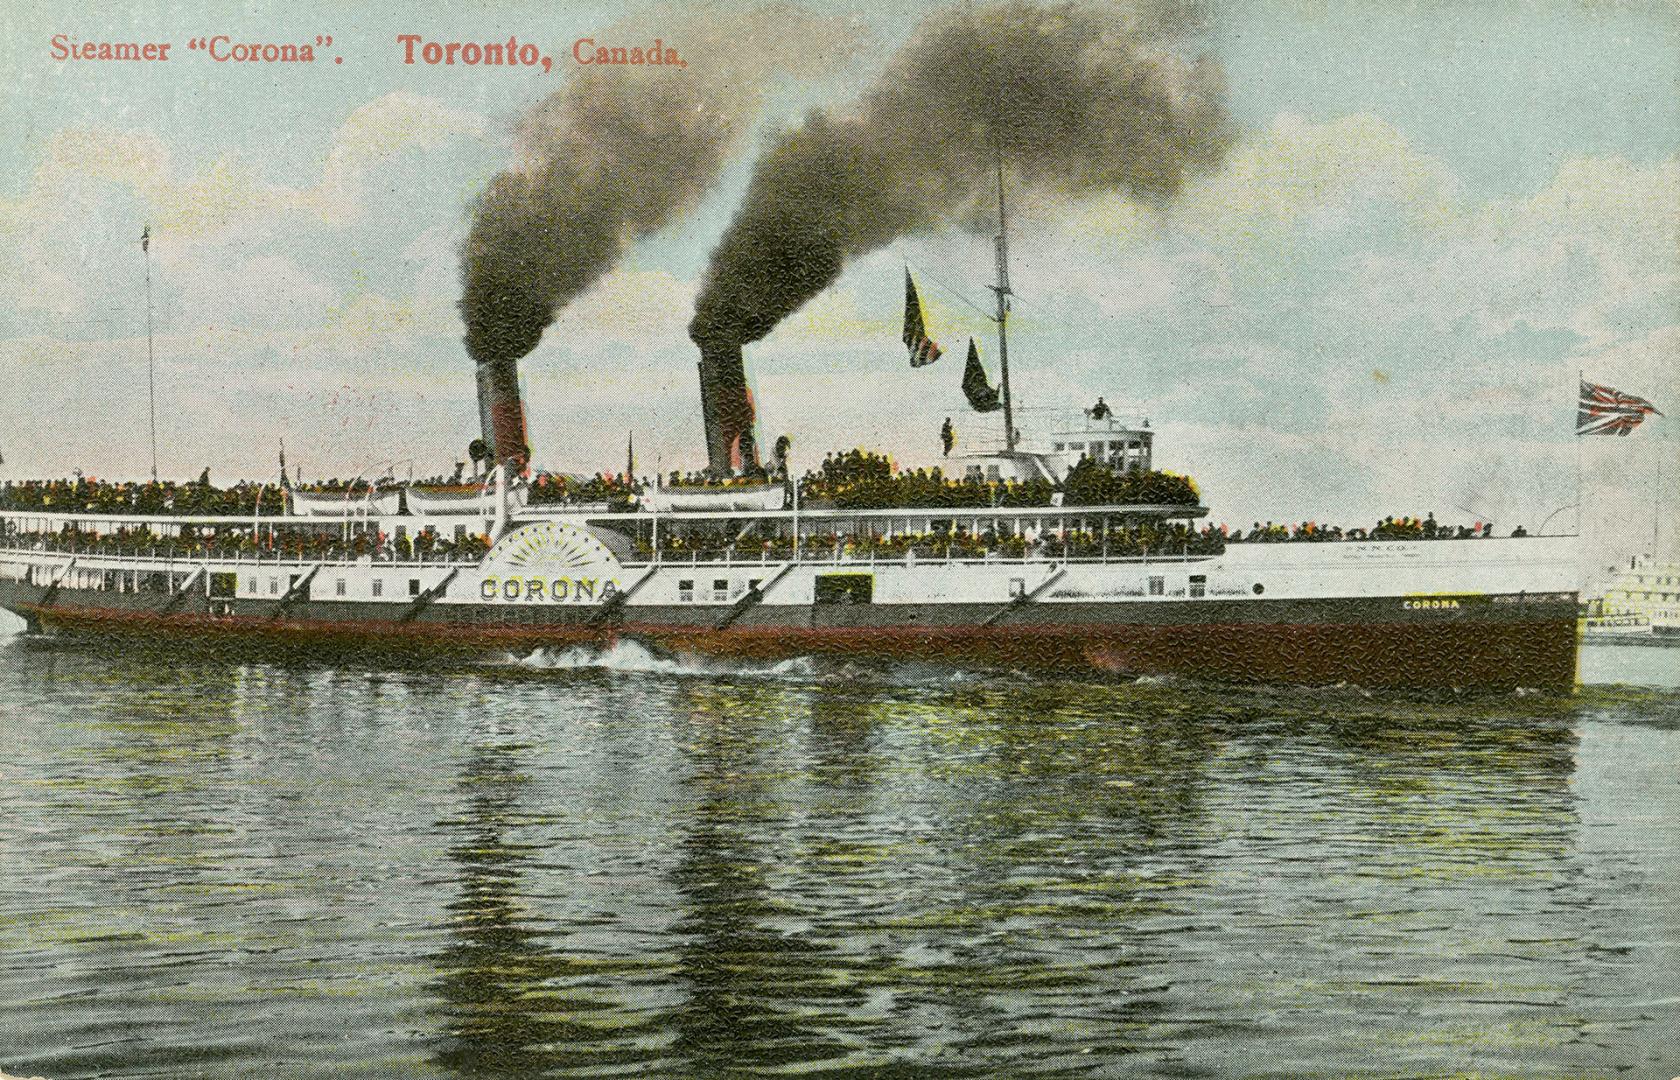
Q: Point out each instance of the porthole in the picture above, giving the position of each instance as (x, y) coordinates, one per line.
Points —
(1258, 588)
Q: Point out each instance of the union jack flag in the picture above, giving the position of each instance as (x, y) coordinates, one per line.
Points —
(923, 351)
(1607, 411)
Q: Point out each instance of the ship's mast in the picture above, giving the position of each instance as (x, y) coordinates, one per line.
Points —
(151, 366)
(1002, 291)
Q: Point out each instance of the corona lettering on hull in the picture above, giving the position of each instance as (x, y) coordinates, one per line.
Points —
(549, 562)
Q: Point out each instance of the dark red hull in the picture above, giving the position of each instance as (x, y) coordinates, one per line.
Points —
(1535, 647)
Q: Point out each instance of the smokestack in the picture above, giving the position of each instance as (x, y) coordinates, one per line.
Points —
(727, 408)
(501, 414)
(615, 155)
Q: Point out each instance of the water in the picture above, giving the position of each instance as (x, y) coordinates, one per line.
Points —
(570, 865)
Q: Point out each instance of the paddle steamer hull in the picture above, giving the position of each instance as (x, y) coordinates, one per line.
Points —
(1414, 615)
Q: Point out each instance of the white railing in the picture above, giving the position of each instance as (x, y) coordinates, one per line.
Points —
(825, 555)
(155, 557)
(830, 556)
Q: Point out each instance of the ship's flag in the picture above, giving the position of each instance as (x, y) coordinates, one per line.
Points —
(1605, 410)
(923, 351)
(982, 395)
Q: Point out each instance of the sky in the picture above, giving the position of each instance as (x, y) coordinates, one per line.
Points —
(1432, 217)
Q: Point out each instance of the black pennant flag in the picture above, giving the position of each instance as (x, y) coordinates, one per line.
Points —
(982, 395)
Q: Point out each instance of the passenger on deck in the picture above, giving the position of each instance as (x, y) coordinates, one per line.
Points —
(1101, 411)
(948, 436)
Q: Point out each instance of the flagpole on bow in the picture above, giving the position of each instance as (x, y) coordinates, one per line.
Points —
(1003, 292)
(1583, 578)
(1580, 380)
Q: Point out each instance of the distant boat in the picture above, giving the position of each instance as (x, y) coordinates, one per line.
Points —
(1644, 594)
(1616, 627)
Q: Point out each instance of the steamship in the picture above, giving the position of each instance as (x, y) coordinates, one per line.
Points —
(744, 569)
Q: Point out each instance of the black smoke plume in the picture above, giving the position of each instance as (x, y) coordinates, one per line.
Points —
(1078, 100)
(608, 158)
(620, 152)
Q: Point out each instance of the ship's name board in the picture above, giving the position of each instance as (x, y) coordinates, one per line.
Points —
(1443, 603)
(552, 590)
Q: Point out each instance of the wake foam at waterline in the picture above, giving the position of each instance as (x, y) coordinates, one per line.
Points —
(636, 658)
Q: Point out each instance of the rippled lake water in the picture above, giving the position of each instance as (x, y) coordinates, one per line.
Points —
(582, 866)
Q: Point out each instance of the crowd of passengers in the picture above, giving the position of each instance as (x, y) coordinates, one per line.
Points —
(225, 542)
(853, 480)
(553, 489)
(1389, 528)
(751, 478)
(1117, 542)
(86, 494)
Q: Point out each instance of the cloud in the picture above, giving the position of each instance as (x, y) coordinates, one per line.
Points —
(1596, 253)
(377, 132)
(1320, 176)
(264, 292)
(87, 176)
(1648, 367)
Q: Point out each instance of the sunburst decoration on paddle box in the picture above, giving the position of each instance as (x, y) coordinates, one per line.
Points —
(550, 547)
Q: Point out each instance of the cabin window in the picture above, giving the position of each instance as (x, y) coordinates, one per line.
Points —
(274, 586)
(1017, 586)
(378, 587)
(1058, 446)
(1079, 446)
(414, 586)
(975, 472)
(845, 588)
(720, 589)
(253, 589)
(685, 591)
(992, 472)
(460, 533)
(1198, 584)
(1157, 585)
(339, 587)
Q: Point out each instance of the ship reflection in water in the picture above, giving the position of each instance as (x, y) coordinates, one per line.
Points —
(563, 870)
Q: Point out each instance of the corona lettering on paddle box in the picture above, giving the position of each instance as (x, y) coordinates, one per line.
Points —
(549, 562)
